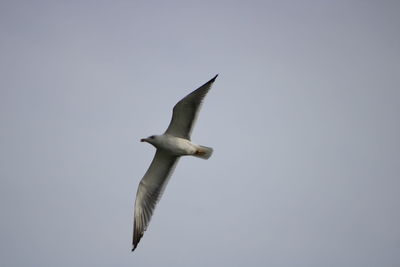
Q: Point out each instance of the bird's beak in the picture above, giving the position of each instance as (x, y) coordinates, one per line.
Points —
(143, 140)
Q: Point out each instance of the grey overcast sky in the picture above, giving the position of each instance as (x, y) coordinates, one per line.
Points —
(304, 121)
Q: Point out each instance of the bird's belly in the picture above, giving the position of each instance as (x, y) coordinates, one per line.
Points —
(179, 146)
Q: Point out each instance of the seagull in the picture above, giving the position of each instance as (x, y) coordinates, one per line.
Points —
(171, 145)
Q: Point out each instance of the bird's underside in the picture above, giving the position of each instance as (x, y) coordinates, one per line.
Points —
(175, 142)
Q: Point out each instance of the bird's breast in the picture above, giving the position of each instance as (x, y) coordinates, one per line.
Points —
(177, 146)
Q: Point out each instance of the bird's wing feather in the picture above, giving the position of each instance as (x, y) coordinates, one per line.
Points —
(186, 110)
(150, 191)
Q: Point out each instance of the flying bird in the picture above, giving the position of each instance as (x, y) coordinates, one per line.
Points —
(171, 145)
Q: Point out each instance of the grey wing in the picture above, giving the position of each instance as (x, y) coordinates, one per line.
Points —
(150, 191)
(186, 110)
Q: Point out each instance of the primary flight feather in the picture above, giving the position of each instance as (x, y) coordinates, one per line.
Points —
(171, 145)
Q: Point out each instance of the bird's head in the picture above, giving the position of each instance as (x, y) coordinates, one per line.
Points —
(151, 139)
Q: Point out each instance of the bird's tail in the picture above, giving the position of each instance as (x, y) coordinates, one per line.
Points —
(203, 152)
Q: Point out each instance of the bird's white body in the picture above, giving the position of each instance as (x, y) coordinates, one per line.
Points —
(175, 145)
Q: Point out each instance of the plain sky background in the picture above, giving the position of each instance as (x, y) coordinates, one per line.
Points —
(304, 121)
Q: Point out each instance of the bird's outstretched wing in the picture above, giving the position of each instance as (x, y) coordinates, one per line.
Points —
(186, 110)
(150, 191)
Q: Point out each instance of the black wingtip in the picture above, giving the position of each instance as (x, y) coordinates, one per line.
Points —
(213, 79)
(134, 248)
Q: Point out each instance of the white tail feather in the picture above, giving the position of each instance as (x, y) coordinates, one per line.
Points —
(203, 152)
